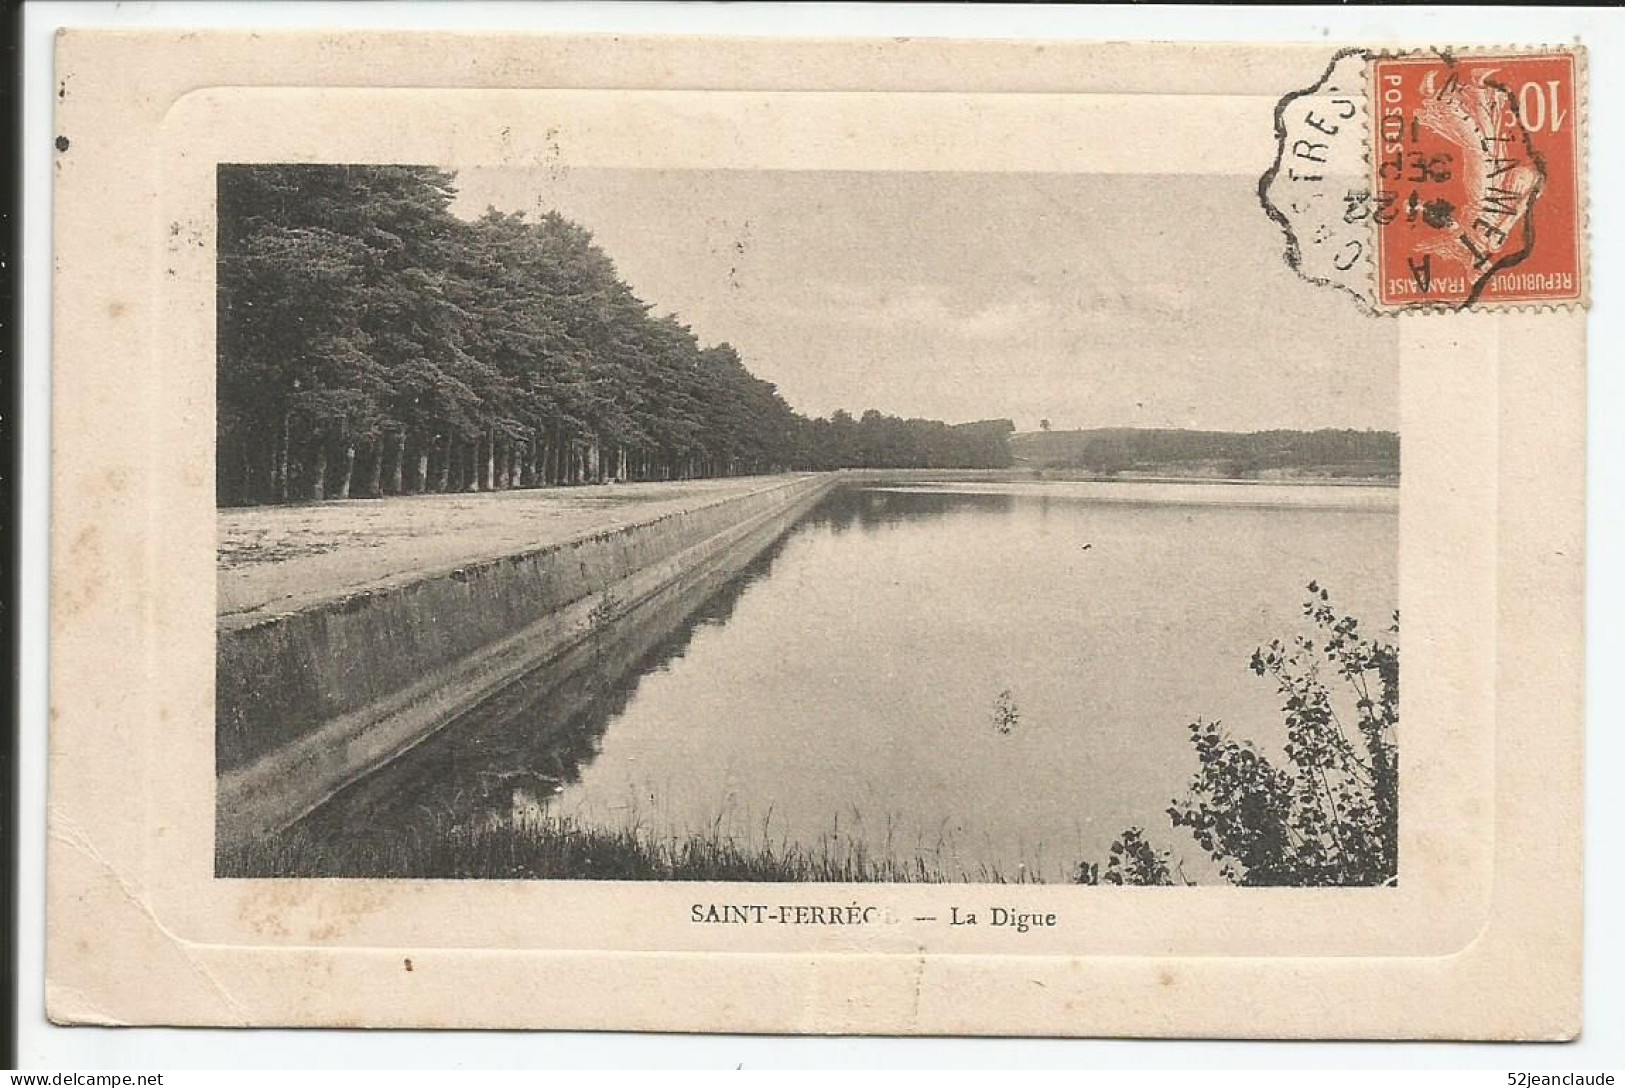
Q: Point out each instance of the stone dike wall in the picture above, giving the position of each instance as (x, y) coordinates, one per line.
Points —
(309, 701)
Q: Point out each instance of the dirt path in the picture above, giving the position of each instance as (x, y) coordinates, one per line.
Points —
(276, 559)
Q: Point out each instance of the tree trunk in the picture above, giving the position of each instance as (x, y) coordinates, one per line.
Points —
(279, 463)
(265, 472)
(247, 475)
(372, 487)
(397, 462)
(527, 463)
(457, 468)
(271, 465)
(349, 471)
(442, 476)
(318, 473)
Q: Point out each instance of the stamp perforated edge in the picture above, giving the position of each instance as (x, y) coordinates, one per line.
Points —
(1582, 195)
(1369, 300)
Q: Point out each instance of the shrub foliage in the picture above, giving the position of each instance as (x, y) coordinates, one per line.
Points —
(1330, 815)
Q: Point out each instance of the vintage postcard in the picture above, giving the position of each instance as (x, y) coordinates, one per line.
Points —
(913, 537)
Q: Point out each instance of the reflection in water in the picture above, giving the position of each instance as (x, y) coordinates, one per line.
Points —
(872, 509)
(996, 681)
(508, 757)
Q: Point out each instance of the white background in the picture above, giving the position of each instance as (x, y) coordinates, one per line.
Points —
(1603, 1043)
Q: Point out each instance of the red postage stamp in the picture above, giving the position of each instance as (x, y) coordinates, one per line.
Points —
(1476, 180)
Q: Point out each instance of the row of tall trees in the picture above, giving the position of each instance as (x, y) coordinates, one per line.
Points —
(372, 343)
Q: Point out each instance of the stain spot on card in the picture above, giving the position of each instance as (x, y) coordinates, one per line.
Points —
(85, 557)
(316, 914)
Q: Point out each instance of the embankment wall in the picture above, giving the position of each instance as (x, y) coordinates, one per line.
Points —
(308, 702)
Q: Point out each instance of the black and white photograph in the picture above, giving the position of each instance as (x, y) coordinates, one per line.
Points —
(792, 536)
(797, 526)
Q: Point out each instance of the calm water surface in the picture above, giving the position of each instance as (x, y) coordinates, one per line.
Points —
(848, 686)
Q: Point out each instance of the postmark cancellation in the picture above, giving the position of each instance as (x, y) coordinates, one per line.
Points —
(1436, 180)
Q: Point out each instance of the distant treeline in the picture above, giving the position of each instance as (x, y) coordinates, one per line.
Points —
(372, 343)
(881, 441)
(1237, 454)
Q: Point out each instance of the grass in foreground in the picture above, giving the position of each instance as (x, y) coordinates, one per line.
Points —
(561, 849)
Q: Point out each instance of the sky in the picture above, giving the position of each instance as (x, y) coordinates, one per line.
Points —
(1088, 300)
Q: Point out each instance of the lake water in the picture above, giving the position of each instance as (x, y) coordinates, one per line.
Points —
(995, 676)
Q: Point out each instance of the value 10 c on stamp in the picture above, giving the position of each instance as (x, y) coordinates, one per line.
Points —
(1475, 195)
(1437, 180)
